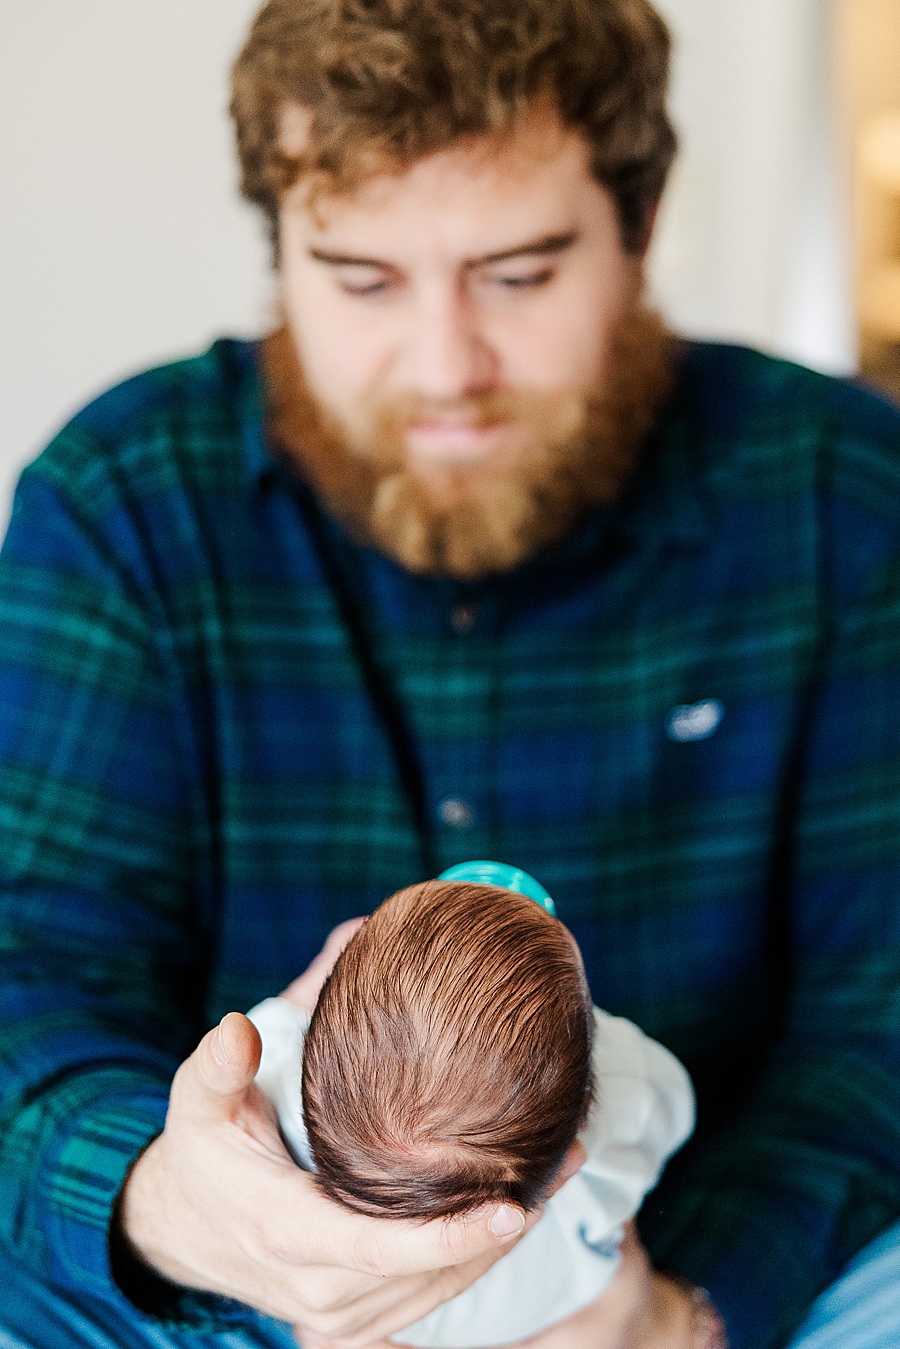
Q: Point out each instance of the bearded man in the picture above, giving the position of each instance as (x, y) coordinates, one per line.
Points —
(469, 558)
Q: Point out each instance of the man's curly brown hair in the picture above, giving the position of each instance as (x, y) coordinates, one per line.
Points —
(389, 82)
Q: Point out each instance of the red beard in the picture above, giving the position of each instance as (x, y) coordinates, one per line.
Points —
(571, 453)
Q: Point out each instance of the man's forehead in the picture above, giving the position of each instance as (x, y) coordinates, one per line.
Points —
(481, 195)
(536, 132)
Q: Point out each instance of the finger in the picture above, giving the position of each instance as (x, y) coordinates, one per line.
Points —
(334, 1238)
(352, 1315)
(335, 943)
(383, 1313)
(305, 989)
(211, 1086)
(307, 1339)
(334, 1308)
(340, 936)
(397, 1248)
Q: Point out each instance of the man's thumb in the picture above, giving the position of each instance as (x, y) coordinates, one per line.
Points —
(214, 1080)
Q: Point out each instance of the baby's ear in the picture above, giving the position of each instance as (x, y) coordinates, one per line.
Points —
(573, 1161)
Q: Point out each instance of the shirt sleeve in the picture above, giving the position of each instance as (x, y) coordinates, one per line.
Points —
(99, 912)
(766, 1212)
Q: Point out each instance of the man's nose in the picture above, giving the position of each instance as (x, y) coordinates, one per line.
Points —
(447, 355)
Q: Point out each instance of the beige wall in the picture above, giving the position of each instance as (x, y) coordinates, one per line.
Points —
(122, 241)
(756, 228)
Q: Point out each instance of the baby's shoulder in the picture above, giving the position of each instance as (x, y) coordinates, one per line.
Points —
(641, 1090)
(282, 1028)
(622, 1047)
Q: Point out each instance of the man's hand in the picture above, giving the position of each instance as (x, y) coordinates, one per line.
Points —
(641, 1309)
(216, 1203)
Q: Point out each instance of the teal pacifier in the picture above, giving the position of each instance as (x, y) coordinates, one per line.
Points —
(498, 873)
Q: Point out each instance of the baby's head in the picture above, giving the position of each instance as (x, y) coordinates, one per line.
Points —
(448, 1060)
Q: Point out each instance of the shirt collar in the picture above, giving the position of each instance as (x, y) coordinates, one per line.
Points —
(666, 499)
(258, 461)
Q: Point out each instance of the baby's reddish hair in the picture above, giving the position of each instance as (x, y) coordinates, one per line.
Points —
(448, 1060)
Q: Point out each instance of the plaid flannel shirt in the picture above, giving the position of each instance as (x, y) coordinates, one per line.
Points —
(224, 728)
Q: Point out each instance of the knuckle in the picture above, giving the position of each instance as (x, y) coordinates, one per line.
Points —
(323, 1291)
(316, 1325)
(320, 1302)
(330, 1326)
(278, 1251)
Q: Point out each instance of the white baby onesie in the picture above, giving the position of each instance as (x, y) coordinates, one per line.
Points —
(643, 1111)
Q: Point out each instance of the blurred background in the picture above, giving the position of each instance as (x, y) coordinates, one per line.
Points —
(123, 242)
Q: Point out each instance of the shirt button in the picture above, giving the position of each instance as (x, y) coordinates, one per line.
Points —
(456, 813)
(463, 618)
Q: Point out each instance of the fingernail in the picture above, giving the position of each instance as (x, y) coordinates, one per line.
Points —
(219, 1051)
(507, 1221)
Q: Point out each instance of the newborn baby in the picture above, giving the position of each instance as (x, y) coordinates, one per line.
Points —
(451, 1060)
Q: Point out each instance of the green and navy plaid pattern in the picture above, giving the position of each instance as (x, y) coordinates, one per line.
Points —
(224, 728)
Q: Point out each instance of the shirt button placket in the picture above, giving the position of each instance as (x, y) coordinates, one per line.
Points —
(463, 618)
(458, 815)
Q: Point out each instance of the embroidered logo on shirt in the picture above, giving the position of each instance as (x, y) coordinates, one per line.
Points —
(695, 721)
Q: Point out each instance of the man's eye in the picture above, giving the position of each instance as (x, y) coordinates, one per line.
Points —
(525, 280)
(364, 283)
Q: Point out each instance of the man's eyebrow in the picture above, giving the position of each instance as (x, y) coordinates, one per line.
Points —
(549, 243)
(349, 260)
